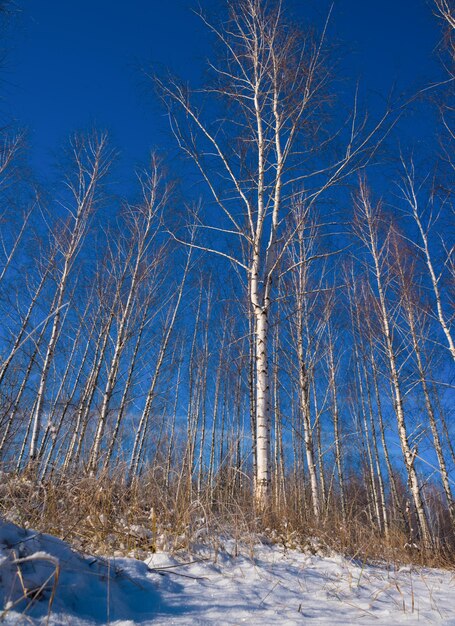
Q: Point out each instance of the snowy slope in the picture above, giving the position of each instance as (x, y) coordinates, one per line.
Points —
(270, 586)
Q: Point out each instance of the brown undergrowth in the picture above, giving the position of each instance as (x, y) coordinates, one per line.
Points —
(106, 515)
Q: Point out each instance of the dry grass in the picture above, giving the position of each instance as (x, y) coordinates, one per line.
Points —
(105, 515)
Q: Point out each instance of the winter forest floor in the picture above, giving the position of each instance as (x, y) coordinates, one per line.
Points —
(45, 581)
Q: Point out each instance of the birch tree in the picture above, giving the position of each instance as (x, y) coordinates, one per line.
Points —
(252, 135)
(91, 165)
(368, 220)
(142, 223)
(410, 194)
(412, 309)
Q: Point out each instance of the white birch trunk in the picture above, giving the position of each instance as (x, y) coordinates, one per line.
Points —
(141, 432)
(263, 483)
(409, 454)
(435, 283)
(88, 174)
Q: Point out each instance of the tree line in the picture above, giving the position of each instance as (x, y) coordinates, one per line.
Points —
(288, 334)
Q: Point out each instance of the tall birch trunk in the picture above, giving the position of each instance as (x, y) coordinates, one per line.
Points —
(336, 426)
(409, 455)
(89, 158)
(410, 195)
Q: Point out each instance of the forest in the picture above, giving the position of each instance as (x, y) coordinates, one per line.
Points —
(257, 333)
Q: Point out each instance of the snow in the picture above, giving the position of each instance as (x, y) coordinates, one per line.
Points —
(43, 580)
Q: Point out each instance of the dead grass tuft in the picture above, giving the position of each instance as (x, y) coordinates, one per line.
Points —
(106, 515)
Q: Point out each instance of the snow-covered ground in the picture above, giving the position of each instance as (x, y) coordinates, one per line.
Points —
(263, 585)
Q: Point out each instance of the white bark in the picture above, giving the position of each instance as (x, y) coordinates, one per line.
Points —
(272, 79)
(367, 213)
(143, 231)
(410, 195)
(141, 432)
(262, 409)
(89, 159)
(336, 426)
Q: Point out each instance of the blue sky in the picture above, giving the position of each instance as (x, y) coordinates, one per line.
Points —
(75, 65)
